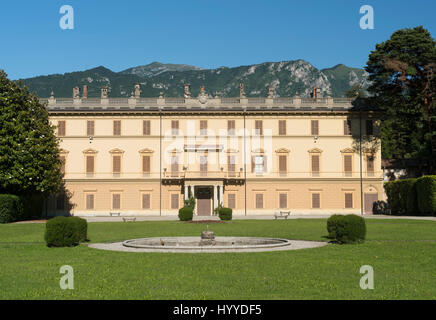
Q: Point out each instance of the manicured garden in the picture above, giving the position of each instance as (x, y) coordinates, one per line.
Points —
(402, 253)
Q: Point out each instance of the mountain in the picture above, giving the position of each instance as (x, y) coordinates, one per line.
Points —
(287, 77)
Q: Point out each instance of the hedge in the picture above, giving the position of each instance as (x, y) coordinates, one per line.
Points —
(65, 231)
(346, 229)
(11, 208)
(33, 206)
(426, 194)
(186, 214)
(402, 196)
(225, 213)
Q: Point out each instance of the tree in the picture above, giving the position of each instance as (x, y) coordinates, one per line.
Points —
(403, 75)
(355, 91)
(29, 149)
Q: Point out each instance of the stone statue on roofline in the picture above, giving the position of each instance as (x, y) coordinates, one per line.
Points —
(241, 90)
(187, 93)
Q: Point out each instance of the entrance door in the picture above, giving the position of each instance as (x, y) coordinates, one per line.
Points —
(204, 201)
(369, 199)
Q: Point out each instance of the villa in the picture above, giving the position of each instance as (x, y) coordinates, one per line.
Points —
(145, 156)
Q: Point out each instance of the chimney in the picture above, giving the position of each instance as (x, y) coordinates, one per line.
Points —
(314, 91)
(85, 92)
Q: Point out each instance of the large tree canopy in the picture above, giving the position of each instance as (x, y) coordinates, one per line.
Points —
(403, 75)
(29, 149)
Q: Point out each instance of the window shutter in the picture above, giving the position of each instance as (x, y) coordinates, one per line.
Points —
(62, 158)
(259, 201)
(348, 167)
(231, 165)
(315, 163)
(89, 201)
(231, 199)
(316, 201)
(253, 164)
(174, 201)
(175, 127)
(174, 165)
(348, 200)
(282, 127)
(282, 164)
(146, 164)
(203, 165)
(347, 127)
(146, 127)
(116, 201)
(258, 127)
(90, 128)
(61, 128)
(314, 127)
(203, 127)
(89, 164)
(116, 164)
(265, 165)
(283, 200)
(117, 127)
(145, 201)
(370, 165)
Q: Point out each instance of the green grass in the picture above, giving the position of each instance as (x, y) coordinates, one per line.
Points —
(402, 253)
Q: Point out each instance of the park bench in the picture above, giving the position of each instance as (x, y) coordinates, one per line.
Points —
(281, 214)
(125, 219)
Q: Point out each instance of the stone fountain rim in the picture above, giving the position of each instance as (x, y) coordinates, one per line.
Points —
(280, 243)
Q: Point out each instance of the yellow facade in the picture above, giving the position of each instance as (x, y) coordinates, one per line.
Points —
(277, 160)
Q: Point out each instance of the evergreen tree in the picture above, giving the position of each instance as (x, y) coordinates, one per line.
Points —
(29, 149)
(403, 74)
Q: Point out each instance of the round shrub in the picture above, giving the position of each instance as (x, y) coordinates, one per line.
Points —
(11, 208)
(186, 214)
(82, 227)
(61, 232)
(346, 229)
(225, 213)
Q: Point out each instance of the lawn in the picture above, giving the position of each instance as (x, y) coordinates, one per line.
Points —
(402, 253)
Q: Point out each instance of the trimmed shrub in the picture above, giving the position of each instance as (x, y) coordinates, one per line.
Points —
(426, 195)
(346, 229)
(380, 207)
(402, 197)
(82, 227)
(62, 232)
(11, 208)
(186, 214)
(225, 213)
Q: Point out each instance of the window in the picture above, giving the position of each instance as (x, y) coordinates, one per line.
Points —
(174, 127)
(116, 201)
(60, 201)
(347, 127)
(146, 127)
(231, 201)
(90, 125)
(231, 127)
(370, 166)
(146, 164)
(146, 201)
(348, 200)
(231, 168)
(259, 200)
(258, 124)
(117, 127)
(62, 158)
(116, 164)
(314, 127)
(174, 166)
(90, 164)
(174, 201)
(283, 165)
(89, 202)
(203, 165)
(283, 200)
(348, 165)
(369, 127)
(61, 128)
(203, 127)
(315, 164)
(282, 127)
(258, 164)
(316, 201)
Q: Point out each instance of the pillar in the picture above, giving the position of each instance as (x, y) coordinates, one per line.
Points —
(186, 192)
(215, 197)
(221, 195)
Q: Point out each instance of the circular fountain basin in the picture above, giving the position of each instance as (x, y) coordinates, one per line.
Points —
(195, 244)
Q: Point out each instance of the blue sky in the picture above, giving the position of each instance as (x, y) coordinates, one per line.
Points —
(208, 33)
